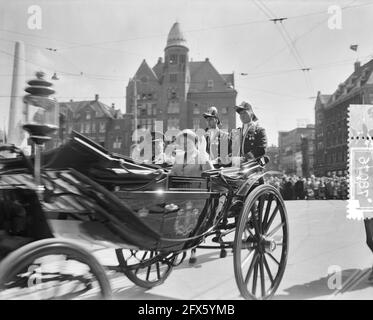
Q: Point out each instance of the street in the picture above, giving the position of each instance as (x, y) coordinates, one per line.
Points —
(322, 240)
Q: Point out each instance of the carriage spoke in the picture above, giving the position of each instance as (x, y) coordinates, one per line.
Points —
(247, 258)
(268, 208)
(268, 269)
(273, 258)
(268, 224)
(149, 268)
(254, 218)
(249, 272)
(255, 278)
(158, 271)
(275, 229)
(261, 206)
(262, 280)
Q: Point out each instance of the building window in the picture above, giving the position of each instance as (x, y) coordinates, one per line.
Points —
(102, 127)
(81, 128)
(172, 123)
(93, 127)
(173, 107)
(182, 58)
(195, 124)
(88, 115)
(154, 108)
(210, 83)
(149, 109)
(173, 59)
(173, 77)
(117, 143)
(87, 128)
(196, 110)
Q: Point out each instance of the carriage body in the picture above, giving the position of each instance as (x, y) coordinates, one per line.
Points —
(100, 199)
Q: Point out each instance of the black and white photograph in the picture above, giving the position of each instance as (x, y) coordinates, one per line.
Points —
(208, 152)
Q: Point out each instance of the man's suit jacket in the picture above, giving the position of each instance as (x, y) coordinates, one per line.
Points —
(254, 142)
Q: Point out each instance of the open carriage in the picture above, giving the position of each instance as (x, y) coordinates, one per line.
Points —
(93, 198)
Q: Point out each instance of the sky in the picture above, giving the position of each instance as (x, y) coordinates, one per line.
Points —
(98, 46)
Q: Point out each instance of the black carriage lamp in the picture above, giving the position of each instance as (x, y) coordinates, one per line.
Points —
(41, 116)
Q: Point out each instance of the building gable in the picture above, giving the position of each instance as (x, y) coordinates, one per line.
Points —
(205, 78)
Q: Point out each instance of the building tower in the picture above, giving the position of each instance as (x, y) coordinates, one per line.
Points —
(175, 82)
(15, 131)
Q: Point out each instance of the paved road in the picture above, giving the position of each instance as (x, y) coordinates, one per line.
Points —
(320, 237)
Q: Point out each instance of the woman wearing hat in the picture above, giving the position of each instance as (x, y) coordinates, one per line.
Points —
(189, 161)
(252, 137)
(217, 141)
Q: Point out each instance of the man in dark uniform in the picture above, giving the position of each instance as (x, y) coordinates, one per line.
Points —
(252, 137)
(217, 141)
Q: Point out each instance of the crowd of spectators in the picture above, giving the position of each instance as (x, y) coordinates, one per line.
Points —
(299, 188)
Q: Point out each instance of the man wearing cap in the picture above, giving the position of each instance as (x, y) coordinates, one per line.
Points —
(252, 137)
(217, 141)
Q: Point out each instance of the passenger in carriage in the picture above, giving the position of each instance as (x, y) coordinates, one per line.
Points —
(189, 160)
(218, 144)
(252, 137)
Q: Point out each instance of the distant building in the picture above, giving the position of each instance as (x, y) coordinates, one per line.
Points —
(331, 130)
(273, 153)
(177, 90)
(99, 122)
(296, 150)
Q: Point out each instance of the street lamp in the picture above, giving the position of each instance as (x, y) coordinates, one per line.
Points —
(42, 115)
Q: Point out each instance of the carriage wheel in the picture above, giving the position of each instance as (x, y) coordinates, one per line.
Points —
(150, 275)
(261, 243)
(52, 269)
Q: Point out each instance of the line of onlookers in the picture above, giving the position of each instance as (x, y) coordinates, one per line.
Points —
(300, 188)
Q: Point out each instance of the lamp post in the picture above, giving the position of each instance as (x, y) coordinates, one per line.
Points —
(41, 118)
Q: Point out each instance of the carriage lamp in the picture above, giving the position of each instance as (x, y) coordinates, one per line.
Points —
(41, 117)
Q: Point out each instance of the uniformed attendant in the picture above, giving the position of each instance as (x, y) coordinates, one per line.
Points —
(252, 137)
(217, 141)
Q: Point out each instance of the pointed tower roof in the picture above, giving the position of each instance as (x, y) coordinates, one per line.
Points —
(175, 36)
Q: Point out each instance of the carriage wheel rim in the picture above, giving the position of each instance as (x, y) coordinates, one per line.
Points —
(30, 253)
(262, 248)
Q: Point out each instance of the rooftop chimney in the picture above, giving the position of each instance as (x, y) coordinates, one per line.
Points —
(71, 100)
(96, 97)
(357, 65)
(113, 105)
(206, 59)
(160, 60)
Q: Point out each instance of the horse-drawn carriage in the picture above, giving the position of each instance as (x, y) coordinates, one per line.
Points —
(90, 197)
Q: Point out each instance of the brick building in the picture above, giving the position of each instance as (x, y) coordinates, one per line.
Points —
(99, 122)
(296, 150)
(331, 131)
(177, 90)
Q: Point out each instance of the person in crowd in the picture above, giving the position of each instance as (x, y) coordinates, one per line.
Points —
(299, 189)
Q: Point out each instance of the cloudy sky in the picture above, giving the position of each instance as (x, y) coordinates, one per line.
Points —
(100, 45)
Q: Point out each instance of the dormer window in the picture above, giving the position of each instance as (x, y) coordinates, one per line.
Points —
(210, 83)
